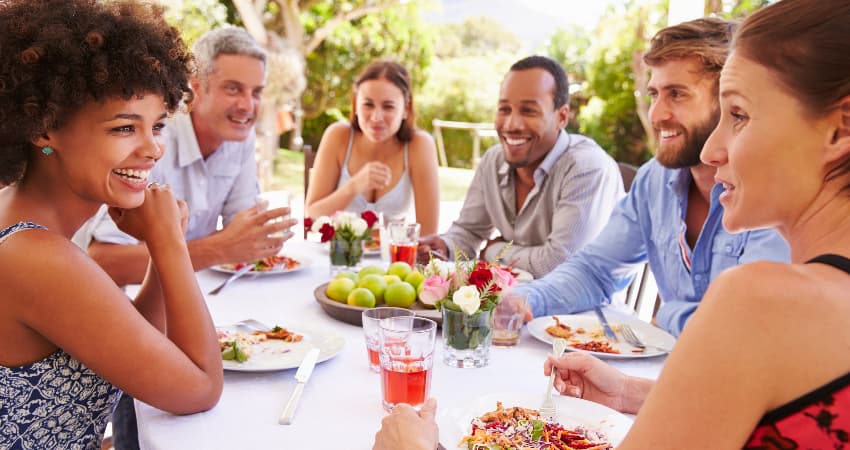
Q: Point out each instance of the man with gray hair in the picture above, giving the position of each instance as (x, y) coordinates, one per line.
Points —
(209, 163)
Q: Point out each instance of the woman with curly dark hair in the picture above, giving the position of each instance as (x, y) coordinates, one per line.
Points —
(84, 89)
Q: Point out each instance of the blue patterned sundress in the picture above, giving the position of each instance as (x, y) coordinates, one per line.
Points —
(54, 403)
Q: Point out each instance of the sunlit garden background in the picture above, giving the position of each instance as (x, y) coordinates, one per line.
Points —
(457, 52)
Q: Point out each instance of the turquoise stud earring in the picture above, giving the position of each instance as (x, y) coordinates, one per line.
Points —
(46, 150)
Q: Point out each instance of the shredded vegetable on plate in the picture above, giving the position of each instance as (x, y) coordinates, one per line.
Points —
(522, 429)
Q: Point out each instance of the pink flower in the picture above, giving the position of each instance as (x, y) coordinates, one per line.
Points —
(434, 289)
(503, 279)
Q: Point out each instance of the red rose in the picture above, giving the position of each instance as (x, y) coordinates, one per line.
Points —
(481, 277)
(370, 217)
(308, 223)
(327, 231)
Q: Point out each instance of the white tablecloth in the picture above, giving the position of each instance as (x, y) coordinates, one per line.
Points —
(341, 404)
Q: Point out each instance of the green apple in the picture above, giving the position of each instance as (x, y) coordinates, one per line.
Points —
(400, 294)
(375, 283)
(370, 270)
(347, 274)
(399, 268)
(339, 288)
(390, 279)
(415, 278)
(361, 297)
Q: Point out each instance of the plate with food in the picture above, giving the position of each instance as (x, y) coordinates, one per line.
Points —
(275, 347)
(583, 332)
(272, 265)
(510, 420)
(353, 314)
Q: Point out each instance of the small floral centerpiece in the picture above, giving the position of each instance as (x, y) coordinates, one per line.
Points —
(346, 232)
(466, 292)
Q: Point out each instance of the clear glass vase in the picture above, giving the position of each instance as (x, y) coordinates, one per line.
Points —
(467, 338)
(345, 254)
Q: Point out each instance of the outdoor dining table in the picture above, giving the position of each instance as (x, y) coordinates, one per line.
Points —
(341, 404)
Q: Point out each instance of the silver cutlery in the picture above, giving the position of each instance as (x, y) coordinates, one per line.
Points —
(302, 375)
(605, 326)
(242, 271)
(548, 408)
(634, 341)
(252, 325)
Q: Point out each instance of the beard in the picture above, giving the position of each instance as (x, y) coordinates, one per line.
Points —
(688, 154)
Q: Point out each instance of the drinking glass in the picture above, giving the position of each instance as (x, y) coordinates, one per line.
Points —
(371, 318)
(508, 318)
(273, 200)
(404, 240)
(407, 359)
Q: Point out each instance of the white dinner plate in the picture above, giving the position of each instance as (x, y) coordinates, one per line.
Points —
(303, 262)
(455, 422)
(274, 354)
(587, 320)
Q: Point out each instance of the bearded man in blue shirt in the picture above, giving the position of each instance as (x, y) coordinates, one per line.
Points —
(671, 217)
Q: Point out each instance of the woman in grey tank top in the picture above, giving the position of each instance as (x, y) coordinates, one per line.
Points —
(379, 161)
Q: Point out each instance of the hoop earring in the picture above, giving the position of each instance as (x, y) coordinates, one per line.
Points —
(46, 150)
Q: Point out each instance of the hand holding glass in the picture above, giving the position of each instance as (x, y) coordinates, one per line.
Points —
(273, 200)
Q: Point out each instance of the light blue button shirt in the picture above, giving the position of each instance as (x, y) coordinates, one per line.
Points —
(220, 186)
(646, 226)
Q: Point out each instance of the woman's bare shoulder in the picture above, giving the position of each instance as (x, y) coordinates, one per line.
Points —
(422, 144)
(337, 133)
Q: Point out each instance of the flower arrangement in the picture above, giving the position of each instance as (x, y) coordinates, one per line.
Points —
(343, 224)
(466, 292)
(346, 232)
(464, 286)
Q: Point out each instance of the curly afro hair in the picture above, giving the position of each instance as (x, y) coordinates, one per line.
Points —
(58, 55)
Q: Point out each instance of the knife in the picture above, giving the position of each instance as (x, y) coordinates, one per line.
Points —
(242, 271)
(302, 375)
(608, 331)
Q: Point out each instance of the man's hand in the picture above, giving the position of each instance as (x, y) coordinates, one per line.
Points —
(431, 245)
(251, 235)
(405, 429)
(585, 376)
(495, 240)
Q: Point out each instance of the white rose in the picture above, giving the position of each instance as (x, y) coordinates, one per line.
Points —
(342, 219)
(317, 225)
(468, 299)
(358, 226)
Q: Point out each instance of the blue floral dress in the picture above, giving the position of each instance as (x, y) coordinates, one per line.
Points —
(54, 403)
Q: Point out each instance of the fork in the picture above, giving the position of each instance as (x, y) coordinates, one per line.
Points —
(635, 341)
(252, 324)
(548, 408)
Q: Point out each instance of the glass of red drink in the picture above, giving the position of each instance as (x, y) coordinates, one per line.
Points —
(370, 319)
(404, 240)
(407, 359)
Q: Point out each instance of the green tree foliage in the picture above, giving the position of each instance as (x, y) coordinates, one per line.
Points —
(195, 17)
(397, 33)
